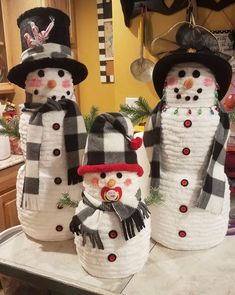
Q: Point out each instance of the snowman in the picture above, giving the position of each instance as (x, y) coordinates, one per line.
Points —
(52, 129)
(185, 140)
(111, 222)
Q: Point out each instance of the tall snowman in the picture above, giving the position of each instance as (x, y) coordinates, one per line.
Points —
(185, 141)
(111, 222)
(52, 130)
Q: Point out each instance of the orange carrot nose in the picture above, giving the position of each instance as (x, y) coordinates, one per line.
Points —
(111, 183)
(51, 84)
(188, 83)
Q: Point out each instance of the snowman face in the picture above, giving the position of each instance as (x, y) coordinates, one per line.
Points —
(52, 83)
(111, 186)
(190, 85)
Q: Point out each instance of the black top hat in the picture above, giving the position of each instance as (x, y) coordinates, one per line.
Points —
(196, 44)
(45, 43)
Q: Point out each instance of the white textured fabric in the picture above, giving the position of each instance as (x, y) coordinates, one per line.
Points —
(42, 225)
(131, 254)
(200, 228)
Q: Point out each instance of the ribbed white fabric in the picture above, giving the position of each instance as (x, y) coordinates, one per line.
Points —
(131, 255)
(203, 229)
(42, 224)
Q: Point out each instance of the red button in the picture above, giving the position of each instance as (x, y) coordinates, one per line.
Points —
(183, 209)
(182, 233)
(187, 123)
(113, 234)
(59, 228)
(112, 257)
(186, 151)
(184, 182)
(56, 126)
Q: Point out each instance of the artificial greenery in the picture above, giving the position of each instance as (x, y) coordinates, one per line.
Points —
(65, 201)
(90, 118)
(10, 127)
(154, 197)
(232, 116)
(137, 113)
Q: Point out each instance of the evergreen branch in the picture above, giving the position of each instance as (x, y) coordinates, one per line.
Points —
(154, 196)
(65, 201)
(137, 113)
(10, 127)
(90, 118)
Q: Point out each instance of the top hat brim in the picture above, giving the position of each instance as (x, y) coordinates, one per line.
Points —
(18, 74)
(218, 65)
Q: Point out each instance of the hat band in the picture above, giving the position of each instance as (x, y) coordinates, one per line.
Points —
(48, 50)
(111, 167)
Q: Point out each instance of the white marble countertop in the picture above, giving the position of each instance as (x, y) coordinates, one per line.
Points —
(11, 161)
(167, 272)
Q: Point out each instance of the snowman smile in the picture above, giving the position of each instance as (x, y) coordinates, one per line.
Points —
(111, 194)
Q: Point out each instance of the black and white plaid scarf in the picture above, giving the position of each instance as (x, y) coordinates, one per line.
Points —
(90, 211)
(74, 137)
(212, 192)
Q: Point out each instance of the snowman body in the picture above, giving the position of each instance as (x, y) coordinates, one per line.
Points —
(51, 222)
(119, 257)
(188, 125)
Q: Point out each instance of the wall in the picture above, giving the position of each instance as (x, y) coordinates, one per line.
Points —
(126, 49)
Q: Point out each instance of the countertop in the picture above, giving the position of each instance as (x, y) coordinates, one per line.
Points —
(11, 161)
(167, 272)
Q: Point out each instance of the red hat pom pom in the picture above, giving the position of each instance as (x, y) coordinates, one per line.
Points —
(136, 143)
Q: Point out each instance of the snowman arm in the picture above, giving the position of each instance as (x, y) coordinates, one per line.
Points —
(75, 224)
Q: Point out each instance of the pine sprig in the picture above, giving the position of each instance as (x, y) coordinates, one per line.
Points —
(90, 118)
(232, 116)
(154, 196)
(66, 201)
(137, 113)
(10, 127)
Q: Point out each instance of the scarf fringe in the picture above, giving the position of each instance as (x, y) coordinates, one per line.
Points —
(30, 202)
(135, 220)
(76, 226)
(73, 177)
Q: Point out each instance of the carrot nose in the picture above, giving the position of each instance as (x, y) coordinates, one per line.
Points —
(188, 83)
(51, 84)
(111, 183)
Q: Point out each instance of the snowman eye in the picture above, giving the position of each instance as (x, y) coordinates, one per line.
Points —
(61, 73)
(196, 74)
(119, 175)
(103, 175)
(41, 73)
(181, 74)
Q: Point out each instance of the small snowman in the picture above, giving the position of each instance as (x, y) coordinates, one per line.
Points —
(185, 140)
(111, 222)
(52, 130)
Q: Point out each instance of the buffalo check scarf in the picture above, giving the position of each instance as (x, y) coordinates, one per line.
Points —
(211, 196)
(90, 211)
(74, 137)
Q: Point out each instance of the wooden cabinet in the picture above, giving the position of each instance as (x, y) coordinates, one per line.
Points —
(8, 212)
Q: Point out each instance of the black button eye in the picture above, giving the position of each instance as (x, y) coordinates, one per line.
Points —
(199, 90)
(178, 96)
(187, 98)
(176, 90)
(103, 175)
(41, 73)
(196, 74)
(195, 97)
(181, 74)
(61, 73)
(119, 175)
(35, 92)
(68, 92)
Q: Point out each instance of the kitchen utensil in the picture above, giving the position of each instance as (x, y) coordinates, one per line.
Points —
(142, 68)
